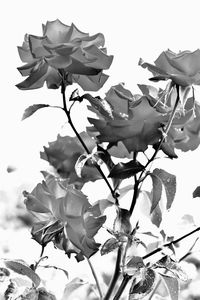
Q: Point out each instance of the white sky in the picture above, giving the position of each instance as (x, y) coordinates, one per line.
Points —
(132, 29)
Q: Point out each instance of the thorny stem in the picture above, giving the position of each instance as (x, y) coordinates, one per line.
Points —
(67, 112)
(95, 278)
(128, 277)
(166, 130)
(115, 275)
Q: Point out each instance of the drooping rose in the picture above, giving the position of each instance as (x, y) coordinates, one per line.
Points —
(182, 68)
(64, 216)
(63, 51)
(126, 118)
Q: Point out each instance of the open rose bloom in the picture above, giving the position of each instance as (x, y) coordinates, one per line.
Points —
(127, 118)
(182, 68)
(63, 53)
(64, 217)
(138, 121)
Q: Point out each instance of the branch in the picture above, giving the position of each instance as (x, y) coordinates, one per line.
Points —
(136, 188)
(95, 278)
(166, 130)
(115, 275)
(67, 112)
(128, 277)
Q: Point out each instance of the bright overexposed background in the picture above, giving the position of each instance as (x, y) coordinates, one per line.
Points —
(132, 29)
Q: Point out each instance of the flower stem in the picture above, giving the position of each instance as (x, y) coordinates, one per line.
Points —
(171, 243)
(140, 179)
(128, 277)
(166, 130)
(122, 286)
(115, 275)
(95, 278)
(67, 112)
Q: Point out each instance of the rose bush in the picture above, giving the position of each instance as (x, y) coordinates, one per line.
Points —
(63, 52)
(182, 68)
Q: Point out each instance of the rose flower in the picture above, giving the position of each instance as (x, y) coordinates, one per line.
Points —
(64, 217)
(182, 68)
(63, 52)
(126, 118)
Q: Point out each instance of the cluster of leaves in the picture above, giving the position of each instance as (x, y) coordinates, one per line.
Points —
(125, 125)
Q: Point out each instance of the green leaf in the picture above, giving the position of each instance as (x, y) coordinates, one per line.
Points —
(167, 147)
(109, 246)
(105, 156)
(126, 170)
(19, 266)
(100, 105)
(169, 182)
(172, 286)
(135, 264)
(29, 111)
(102, 204)
(45, 231)
(80, 163)
(156, 216)
(72, 287)
(144, 286)
(196, 192)
(81, 223)
(173, 267)
(156, 191)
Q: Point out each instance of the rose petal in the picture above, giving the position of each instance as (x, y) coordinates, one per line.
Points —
(81, 56)
(187, 62)
(53, 78)
(35, 80)
(73, 204)
(152, 68)
(103, 61)
(28, 68)
(76, 67)
(25, 55)
(90, 83)
(56, 31)
(33, 204)
(164, 63)
(59, 62)
(65, 50)
(74, 33)
(119, 98)
(182, 79)
(37, 46)
(97, 40)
